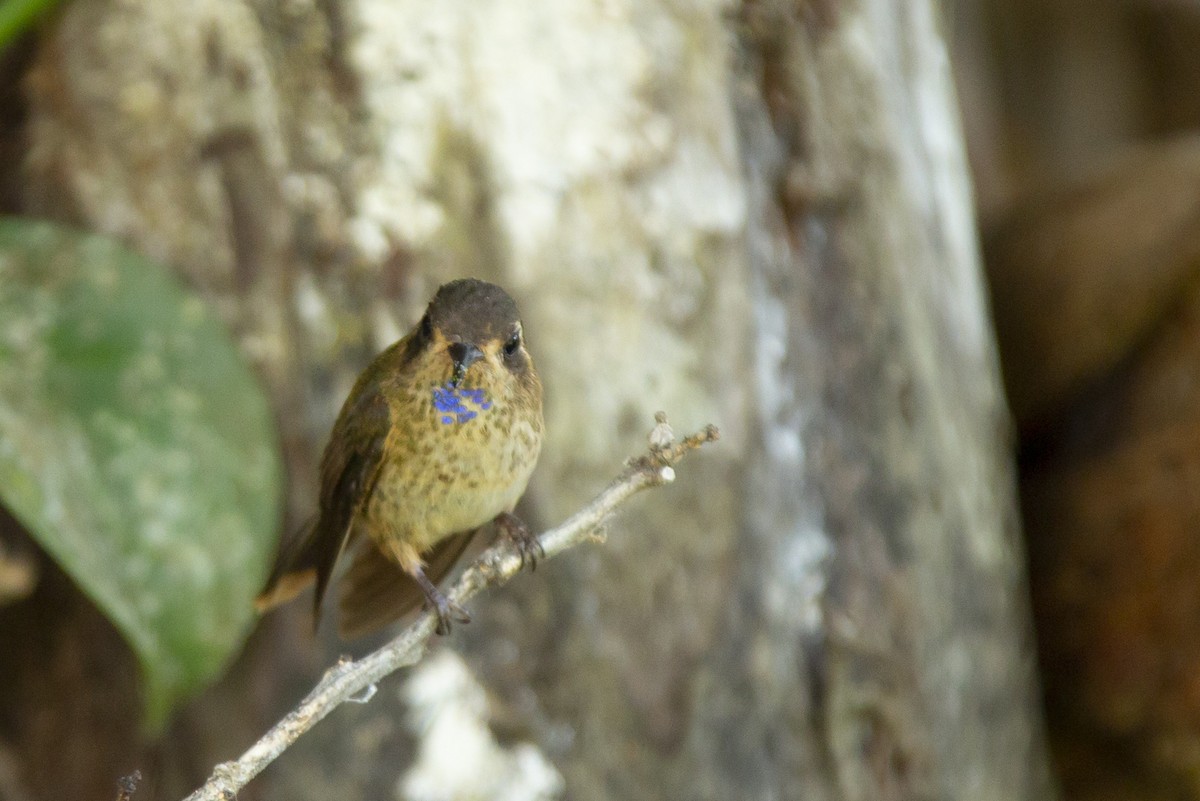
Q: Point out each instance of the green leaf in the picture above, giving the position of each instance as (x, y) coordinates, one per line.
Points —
(137, 448)
(18, 16)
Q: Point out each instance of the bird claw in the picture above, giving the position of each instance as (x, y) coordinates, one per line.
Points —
(527, 544)
(447, 612)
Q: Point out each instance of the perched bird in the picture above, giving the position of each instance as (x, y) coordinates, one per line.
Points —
(437, 438)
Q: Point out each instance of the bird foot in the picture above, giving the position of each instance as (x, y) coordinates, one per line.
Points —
(447, 611)
(515, 531)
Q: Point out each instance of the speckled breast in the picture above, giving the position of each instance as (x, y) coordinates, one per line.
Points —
(464, 458)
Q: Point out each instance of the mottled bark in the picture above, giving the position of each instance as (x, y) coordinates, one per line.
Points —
(756, 215)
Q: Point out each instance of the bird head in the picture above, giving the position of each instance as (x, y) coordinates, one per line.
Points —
(472, 332)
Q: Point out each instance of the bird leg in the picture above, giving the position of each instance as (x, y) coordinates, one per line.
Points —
(515, 531)
(446, 609)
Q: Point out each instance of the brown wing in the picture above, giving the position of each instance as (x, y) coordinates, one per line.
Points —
(375, 591)
(349, 470)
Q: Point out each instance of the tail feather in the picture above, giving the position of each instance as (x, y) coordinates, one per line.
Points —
(284, 589)
(295, 568)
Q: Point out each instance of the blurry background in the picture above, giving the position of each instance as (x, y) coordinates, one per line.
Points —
(766, 215)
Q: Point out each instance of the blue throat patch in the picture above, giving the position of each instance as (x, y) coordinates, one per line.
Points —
(455, 403)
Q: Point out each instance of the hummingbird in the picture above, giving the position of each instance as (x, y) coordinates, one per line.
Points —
(437, 439)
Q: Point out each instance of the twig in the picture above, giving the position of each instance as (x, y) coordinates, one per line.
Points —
(496, 566)
(127, 786)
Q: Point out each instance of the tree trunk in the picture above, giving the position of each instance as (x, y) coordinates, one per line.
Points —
(882, 598)
(756, 215)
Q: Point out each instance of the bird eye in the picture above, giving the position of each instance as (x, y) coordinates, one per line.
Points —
(513, 343)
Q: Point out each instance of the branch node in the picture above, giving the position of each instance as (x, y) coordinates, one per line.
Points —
(365, 696)
(661, 436)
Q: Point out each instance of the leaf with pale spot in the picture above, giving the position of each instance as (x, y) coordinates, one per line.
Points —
(136, 447)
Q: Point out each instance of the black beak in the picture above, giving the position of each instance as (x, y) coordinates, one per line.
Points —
(464, 355)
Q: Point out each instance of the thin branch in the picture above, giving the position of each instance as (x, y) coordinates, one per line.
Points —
(348, 679)
(127, 786)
